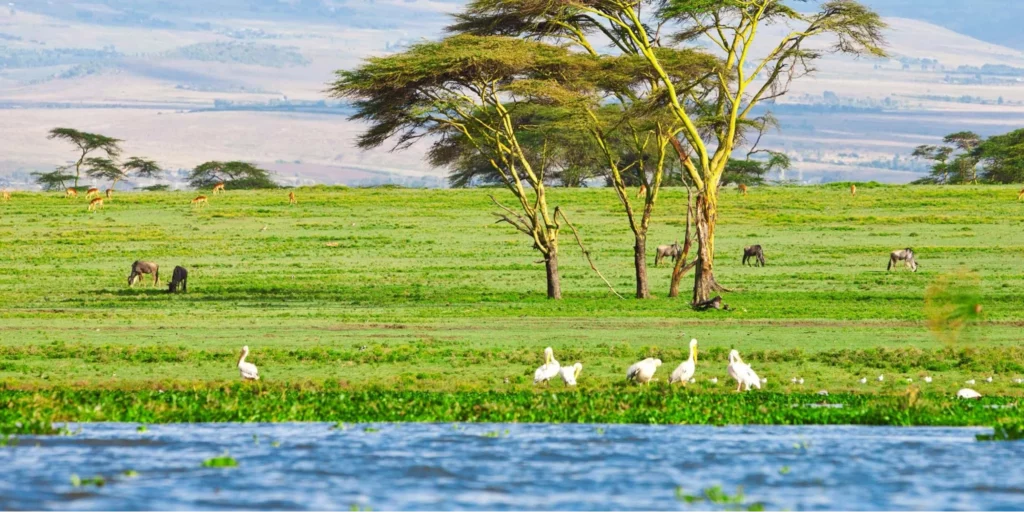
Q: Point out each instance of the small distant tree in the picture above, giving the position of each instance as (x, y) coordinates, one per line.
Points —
(753, 172)
(55, 180)
(956, 162)
(104, 169)
(141, 168)
(234, 175)
(1002, 158)
(86, 144)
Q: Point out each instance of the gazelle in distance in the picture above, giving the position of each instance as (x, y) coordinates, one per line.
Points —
(93, 191)
(95, 204)
(218, 188)
(71, 193)
(199, 201)
(291, 198)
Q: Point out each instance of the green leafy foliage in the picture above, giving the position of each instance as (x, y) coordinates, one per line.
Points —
(234, 175)
(223, 461)
(1005, 431)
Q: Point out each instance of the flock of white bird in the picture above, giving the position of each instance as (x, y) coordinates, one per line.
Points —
(642, 372)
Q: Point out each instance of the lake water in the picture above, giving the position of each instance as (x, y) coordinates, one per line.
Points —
(493, 466)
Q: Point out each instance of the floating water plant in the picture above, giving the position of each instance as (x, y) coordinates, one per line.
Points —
(224, 461)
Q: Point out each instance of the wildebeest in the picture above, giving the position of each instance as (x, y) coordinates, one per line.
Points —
(905, 255)
(144, 267)
(753, 252)
(180, 277)
(673, 251)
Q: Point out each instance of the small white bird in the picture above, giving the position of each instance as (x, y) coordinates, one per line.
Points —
(968, 393)
(801, 381)
(989, 379)
(247, 370)
(713, 380)
(863, 380)
(793, 380)
(642, 372)
(823, 392)
(881, 378)
(1018, 380)
(571, 373)
(970, 381)
(742, 372)
(909, 380)
(928, 379)
(686, 370)
(549, 369)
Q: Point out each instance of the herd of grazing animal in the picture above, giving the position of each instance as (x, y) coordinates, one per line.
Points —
(179, 278)
(96, 202)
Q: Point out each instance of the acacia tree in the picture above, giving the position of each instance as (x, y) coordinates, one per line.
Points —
(713, 124)
(105, 168)
(470, 87)
(956, 162)
(87, 143)
(235, 174)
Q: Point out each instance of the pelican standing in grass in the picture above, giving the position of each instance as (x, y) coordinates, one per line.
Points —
(742, 372)
(928, 379)
(685, 371)
(550, 368)
(248, 370)
(968, 393)
(571, 373)
(643, 371)
(863, 380)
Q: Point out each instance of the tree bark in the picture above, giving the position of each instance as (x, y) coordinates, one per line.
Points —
(704, 280)
(554, 282)
(680, 268)
(640, 263)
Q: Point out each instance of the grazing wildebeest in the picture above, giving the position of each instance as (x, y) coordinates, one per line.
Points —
(905, 255)
(753, 252)
(673, 251)
(144, 267)
(180, 277)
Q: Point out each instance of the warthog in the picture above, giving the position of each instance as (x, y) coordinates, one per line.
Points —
(180, 277)
(905, 255)
(753, 252)
(673, 251)
(144, 267)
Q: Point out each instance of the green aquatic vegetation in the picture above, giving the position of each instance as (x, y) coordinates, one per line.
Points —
(97, 481)
(716, 496)
(1005, 431)
(141, 429)
(223, 461)
(130, 473)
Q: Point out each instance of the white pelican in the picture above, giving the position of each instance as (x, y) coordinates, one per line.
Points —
(643, 371)
(571, 373)
(970, 381)
(928, 379)
(863, 380)
(742, 372)
(968, 393)
(549, 369)
(881, 378)
(989, 379)
(248, 370)
(685, 371)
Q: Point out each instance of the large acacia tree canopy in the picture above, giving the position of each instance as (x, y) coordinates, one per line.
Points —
(234, 175)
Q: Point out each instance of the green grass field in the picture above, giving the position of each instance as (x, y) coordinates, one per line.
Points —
(420, 291)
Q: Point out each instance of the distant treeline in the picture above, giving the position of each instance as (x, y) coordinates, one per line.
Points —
(241, 53)
(17, 58)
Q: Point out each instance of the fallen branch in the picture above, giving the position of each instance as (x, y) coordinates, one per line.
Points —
(586, 253)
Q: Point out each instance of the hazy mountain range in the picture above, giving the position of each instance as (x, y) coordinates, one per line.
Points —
(190, 81)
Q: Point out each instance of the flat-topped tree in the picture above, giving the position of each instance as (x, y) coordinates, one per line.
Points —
(87, 143)
(236, 175)
(104, 168)
(473, 88)
(713, 124)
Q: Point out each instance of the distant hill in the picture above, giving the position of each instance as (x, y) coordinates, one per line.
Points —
(993, 21)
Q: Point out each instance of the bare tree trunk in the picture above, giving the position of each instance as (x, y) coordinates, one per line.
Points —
(681, 267)
(704, 283)
(554, 282)
(640, 263)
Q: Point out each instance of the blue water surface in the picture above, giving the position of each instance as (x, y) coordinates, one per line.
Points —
(516, 466)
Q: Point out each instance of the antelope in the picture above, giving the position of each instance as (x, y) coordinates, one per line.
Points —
(199, 201)
(673, 251)
(1020, 197)
(754, 252)
(853, 189)
(905, 255)
(743, 189)
(95, 204)
(7, 195)
(110, 193)
(218, 188)
(93, 191)
(642, 191)
(140, 267)
(291, 198)
(70, 193)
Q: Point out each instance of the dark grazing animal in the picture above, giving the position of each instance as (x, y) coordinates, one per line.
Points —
(905, 255)
(753, 252)
(180, 277)
(144, 267)
(673, 251)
